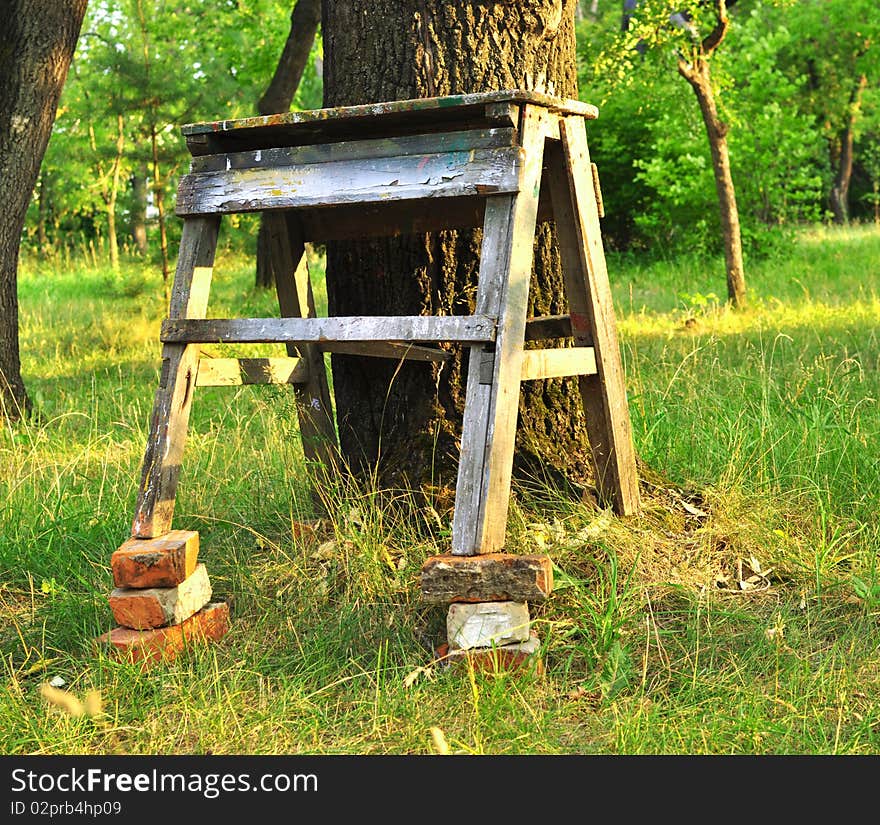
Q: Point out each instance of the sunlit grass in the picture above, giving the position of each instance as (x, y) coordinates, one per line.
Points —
(766, 422)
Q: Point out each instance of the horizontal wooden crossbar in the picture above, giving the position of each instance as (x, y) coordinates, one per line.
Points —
(384, 349)
(470, 329)
(232, 372)
(548, 326)
(557, 363)
(339, 182)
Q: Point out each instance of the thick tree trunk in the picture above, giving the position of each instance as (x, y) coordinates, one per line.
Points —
(842, 157)
(37, 40)
(304, 21)
(698, 76)
(401, 423)
(138, 224)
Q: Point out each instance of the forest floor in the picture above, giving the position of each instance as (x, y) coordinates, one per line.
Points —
(738, 613)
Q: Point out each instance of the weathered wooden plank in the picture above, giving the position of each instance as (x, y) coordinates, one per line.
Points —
(422, 144)
(449, 107)
(557, 363)
(405, 178)
(173, 400)
(463, 328)
(592, 317)
(234, 372)
(548, 326)
(295, 300)
(384, 349)
(489, 426)
(493, 577)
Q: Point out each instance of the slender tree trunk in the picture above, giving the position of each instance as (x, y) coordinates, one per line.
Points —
(139, 210)
(697, 74)
(842, 158)
(114, 192)
(304, 21)
(402, 422)
(159, 199)
(37, 40)
(42, 215)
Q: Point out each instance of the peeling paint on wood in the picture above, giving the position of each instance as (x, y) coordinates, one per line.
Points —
(408, 177)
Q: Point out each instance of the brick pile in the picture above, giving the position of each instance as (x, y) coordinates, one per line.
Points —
(162, 599)
(488, 624)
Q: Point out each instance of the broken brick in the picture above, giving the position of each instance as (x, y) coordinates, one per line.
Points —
(211, 623)
(164, 561)
(141, 609)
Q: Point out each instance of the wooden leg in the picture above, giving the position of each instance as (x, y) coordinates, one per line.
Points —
(295, 300)
(171, 408)
(592, 316)
(482, 494)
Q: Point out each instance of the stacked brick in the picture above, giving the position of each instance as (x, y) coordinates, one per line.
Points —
(488, 623)
(162, 598)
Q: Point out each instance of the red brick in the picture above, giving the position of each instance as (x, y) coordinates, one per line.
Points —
(145, 608)
(211, 623)
(493, 660)
(164, 561)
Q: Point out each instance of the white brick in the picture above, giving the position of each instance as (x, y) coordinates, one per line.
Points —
(484, 624)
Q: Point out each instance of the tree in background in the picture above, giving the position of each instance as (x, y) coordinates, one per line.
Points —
(37, 42)
(402, 422)
(278, 97)
(696, 30)
(837, 57)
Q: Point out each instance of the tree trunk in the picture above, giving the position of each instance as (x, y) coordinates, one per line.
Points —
(42, 216)
(138, 223)
(304, 20)
(842, 158)
(699, 77)
(113, 195)
(37, 41)
(401, 423)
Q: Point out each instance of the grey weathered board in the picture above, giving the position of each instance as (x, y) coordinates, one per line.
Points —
(398, 117)
(463, 328)
(591, 313)
(295, 300)
(341, 182)
(170, 417)
(489, 423)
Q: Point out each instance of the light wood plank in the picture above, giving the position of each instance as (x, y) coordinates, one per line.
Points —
(592, 317)
(173, 400)
(463, 328)
(489, 427)
(234, 372)
(296, 301)
(339, 182)
(557, 363)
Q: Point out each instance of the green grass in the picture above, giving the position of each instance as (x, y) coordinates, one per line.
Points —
(766, 420)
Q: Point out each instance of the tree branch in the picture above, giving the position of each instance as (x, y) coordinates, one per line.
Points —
(304, 20)
(713, 40)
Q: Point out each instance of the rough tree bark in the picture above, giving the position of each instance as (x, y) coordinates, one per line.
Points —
(304, 21)
(695, 69)
(37, 40)
(400, 423)
(842, 155)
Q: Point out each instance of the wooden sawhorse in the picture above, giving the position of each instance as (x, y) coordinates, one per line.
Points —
(501, 160)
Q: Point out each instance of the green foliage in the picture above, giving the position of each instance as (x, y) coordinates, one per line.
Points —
(158, 64)
(784, 72)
